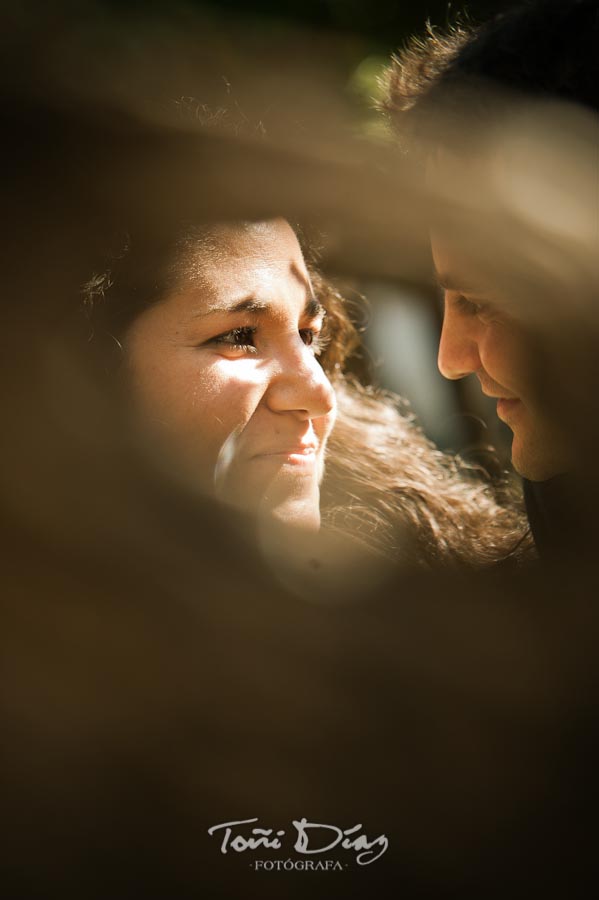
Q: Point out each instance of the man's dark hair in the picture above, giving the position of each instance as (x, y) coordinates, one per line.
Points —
(545, 48)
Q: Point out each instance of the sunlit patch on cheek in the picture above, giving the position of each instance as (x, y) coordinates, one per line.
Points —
(225, 461)
(324, 426)
(332, 416)
(235, 389)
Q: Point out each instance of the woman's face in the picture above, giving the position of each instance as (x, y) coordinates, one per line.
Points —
(225, 371)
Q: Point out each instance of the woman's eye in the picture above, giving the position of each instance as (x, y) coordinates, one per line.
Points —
(313, 339)
(241, 339)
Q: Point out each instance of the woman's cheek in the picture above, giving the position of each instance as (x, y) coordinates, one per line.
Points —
(323, 426)
(225, 396)
(187, 392)
(332, 416)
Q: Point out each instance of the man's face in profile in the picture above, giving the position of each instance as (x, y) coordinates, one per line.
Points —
(481, 337)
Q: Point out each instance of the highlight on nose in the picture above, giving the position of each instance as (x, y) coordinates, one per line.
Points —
(301, 385)
(458, 349)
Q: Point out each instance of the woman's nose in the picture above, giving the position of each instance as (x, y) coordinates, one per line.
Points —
(300, 385)
(458, 346)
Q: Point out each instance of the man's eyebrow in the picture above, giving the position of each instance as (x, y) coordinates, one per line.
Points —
(446, 281)
(449, 283)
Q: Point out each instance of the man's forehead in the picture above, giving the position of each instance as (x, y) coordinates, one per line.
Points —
(451, 282)
(454, 269)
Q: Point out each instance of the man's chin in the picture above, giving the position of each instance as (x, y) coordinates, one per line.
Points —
(539, 460)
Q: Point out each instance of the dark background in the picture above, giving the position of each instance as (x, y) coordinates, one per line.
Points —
(385, 23)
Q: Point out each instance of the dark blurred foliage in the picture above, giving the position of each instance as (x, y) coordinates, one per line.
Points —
(383, 23)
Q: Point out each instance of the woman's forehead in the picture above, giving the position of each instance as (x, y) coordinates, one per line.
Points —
(244, 251)
(269, 238)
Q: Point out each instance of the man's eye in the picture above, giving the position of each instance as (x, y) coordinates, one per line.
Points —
(241, 339)
(473, 307)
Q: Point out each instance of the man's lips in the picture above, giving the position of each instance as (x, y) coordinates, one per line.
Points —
(506, 406)
(495, 396)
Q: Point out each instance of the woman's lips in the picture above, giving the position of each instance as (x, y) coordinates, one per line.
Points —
(297, 456)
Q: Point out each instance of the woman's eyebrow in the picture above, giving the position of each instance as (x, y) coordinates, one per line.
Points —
(312, 308)
(248, 304)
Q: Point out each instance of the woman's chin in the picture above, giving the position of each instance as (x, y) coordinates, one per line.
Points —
(294, 515)
(288, 534)
(293, 503)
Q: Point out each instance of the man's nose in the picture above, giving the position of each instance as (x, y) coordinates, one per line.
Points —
(458, 347)
(300, 385)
